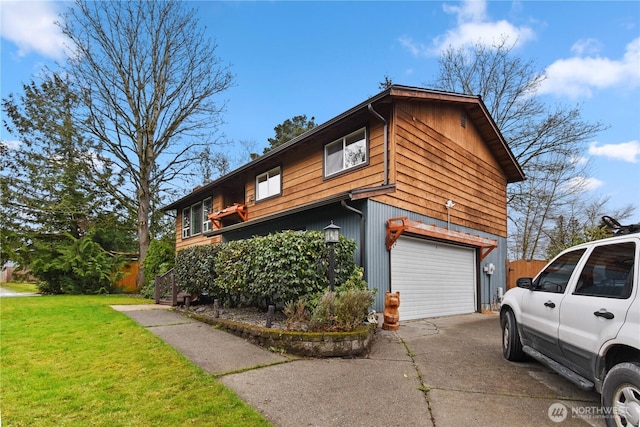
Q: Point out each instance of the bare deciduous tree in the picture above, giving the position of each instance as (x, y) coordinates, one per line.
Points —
(581, 221)
(537, 202)
(545, 141)
(149, 77)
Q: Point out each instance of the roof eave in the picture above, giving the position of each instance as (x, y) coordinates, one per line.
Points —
(277, 150)
(512, 169)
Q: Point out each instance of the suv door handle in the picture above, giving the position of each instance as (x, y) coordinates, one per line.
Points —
(550, 304)
(604, 313)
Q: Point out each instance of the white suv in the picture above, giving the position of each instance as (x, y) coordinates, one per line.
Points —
(581, 317)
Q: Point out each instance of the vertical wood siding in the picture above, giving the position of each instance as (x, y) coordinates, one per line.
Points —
(303, 178)
(432, 158)
(432, 167)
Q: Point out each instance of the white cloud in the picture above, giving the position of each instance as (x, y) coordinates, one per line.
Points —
(626, 151)
(579, 76)
(473, 11)
(415, 48)
(580, 183)
(473, 26)
(11, 145)
(30, 26)
(579, 160)
(586, 46)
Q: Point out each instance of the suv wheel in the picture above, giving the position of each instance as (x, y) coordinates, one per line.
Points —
(511, 345)
(621, 393)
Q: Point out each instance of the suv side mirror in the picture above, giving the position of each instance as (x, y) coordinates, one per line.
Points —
(524, 282)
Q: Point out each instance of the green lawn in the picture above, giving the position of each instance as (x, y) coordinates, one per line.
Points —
(72, 360)
(20, 287)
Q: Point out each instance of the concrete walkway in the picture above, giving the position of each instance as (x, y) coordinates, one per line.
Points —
(6, 293)
(437, 372)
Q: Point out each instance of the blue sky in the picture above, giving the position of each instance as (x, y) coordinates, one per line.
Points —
(322, 58)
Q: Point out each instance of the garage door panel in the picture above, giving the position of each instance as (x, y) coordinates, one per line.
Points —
(434, 279)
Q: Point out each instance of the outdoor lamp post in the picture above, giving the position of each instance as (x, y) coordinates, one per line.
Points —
(331, 237)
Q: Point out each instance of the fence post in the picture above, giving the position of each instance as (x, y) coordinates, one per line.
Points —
(156, 289)
(174, 291)
(270, 316)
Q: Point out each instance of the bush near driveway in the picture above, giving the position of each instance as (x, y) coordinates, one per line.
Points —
(73, 360)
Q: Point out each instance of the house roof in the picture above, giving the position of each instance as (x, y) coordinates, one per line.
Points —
(476, 110)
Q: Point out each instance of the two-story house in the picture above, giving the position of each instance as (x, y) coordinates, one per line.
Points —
(416, 177)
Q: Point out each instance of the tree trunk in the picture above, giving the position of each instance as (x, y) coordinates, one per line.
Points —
(144, 237)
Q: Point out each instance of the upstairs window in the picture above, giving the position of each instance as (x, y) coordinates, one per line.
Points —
(345, 153)
(195, 218)
(186, 222)
(206, 210)
(268, 184)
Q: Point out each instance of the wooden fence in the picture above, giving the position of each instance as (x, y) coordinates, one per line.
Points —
(128, 282)
(522, 268)
(10, 274)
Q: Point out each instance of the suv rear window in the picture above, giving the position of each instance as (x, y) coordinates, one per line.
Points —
(608, 272)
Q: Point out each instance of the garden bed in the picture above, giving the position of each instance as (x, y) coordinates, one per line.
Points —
(250, 324)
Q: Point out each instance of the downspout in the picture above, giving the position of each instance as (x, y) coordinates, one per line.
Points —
(362, 236)
(385, 138)
(386, 143)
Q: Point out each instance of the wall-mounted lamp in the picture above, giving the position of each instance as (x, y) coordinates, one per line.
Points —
(449, 205)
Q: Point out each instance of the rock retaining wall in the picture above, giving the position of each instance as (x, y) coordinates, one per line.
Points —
(310, 344)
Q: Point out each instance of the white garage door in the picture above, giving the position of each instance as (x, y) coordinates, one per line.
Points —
(434, 279)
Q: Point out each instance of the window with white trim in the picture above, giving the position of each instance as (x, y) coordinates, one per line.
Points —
(186, 221)
(195, 218)
(268, 184)
(207, 208)
(345, 153)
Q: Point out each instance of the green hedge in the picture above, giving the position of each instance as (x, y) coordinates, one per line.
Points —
(195, 269)
(274, 269)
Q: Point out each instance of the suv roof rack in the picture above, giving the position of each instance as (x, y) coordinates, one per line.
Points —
(618, 228)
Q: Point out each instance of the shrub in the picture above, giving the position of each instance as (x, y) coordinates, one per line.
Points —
(75, 266)
(277, 269)
(298, 315)
(195, 269)
(161, 257)
(304, 263)
(232, 273)
(286, 266)
(342, 310)
(322, 312)
(351, 308)
(330, 311)
(355, 280)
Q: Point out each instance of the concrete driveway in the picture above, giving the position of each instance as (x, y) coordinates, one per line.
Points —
(459, 359)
